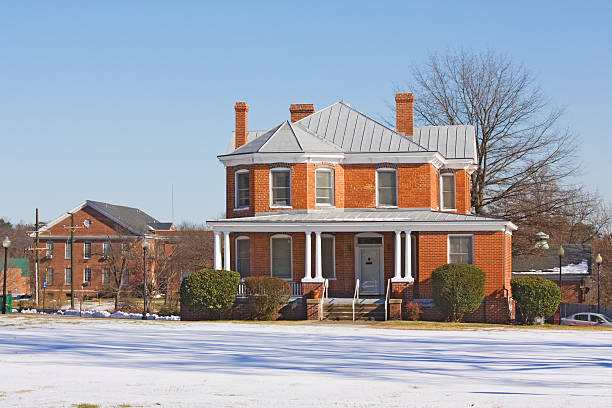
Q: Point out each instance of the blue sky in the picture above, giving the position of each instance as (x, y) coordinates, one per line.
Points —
(116, 101)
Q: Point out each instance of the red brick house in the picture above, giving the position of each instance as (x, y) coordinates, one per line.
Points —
(334, 195)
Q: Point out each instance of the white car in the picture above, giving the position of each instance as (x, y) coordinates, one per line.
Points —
(587, 319)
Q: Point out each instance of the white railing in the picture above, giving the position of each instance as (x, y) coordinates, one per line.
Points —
(296, 289)
(241, 290)
(355, 297)
(323, 297)
(387, 299)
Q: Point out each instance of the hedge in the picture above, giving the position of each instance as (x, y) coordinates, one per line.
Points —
(266, 296)
(535, 297)
(209, 291)
(457, 289)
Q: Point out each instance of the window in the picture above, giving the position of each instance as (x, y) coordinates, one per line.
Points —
(447, 191)
(87, 250)
(49, 252)
(67, 276)
(324, 186)
(281, 187)
(125, 246)
(68, 250)
(386, 181)
(328, 256)
(105, 276)
(125, 279)
(242, 189)
(87, 275)
(582, 317)
(281, 256)
(49, 276)
(243, 256)
(106, 246)
(369, 240)
(460, 249)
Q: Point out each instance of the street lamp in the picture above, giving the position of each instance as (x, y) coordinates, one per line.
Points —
(560, 252)
(6, 244)
(598, 261)
(145, 246)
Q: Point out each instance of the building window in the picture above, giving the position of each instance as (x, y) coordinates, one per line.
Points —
(68, 250)
(461, 249)
(105, 276)
(49, 276)
(106, 246)
(243, 256)
(125, 279)
(324, 186)
(386, 181)
(328, 256)
(49, 252)
(125, 246)
(87, 250)
(281, 187)
(447, 191)
(242, 189)
(281, 256)
(67, 276)
(87, 275)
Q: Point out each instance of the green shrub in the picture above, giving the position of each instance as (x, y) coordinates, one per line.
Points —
(413, 311)
(457, 289)
(535, 297)
(209, 291)
(266, 296)
(167, 310)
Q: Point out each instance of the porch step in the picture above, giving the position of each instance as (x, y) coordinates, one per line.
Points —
(364, 310)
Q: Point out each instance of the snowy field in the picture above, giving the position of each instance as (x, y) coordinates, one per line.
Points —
(65, 361)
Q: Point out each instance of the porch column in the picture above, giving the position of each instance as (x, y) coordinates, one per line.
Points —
(318, 257)
(408, 257)
(398, 256)
(217, 250)
(226, 251)
(308, 259)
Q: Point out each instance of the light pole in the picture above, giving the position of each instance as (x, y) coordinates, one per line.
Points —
(598, 261)
(6, 244)
(145, 246)
(560, 252)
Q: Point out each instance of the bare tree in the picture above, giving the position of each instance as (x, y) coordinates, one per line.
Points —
(121, 258)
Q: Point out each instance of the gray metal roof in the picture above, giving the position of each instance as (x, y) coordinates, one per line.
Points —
(129, 216)
(453, 142)
(577, 258)
(251, 135)
(161, 226)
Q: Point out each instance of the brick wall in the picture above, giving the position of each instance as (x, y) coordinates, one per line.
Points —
(462, 192)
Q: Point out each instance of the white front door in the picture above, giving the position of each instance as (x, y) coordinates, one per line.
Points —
(369, 268)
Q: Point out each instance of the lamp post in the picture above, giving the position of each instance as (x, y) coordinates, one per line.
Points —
(145, 246)
(598, 261)
(560, 252)
(6, 244)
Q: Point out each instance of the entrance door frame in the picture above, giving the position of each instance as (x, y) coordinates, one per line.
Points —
(381, 257)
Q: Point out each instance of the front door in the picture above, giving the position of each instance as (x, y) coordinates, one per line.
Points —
(369, 279)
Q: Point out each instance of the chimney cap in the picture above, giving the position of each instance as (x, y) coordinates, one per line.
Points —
(241, 106)
(302, 107)
(404, 97)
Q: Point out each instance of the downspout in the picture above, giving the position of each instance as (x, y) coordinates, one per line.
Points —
(505, 289)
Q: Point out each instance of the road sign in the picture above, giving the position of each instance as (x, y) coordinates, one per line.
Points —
(44, 284)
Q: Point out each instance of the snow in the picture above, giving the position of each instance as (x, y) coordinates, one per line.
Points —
(61, 361)
(102, 313)
(579, 268)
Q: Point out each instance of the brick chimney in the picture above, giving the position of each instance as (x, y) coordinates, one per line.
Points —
(404, 113)
(242, 119)
(301, 110)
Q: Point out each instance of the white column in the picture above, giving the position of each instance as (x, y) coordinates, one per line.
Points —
(226, 251)
(408, 257)
(217, 250)
(318, 258)
(308, 260)
(398, 256)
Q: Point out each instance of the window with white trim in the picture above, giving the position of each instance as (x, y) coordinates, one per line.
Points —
(281, 187)
(243, 256)
(324, 186)
(49, 252)
(447, 191)
(68, 250)
(280, 248)
(328, 256)
(87, 250)
(125, 279)
(106, 247)
(242, 189)
(67, 276)
(386, 185)
(105, 276)
(49, 276)
(87, 275)
(461, 249)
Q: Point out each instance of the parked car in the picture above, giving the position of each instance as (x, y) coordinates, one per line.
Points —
(587, 319)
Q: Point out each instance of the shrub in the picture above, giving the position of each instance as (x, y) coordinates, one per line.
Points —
(457, 289)
(266, 296)
(209, 291)
(167, 310)
(413, 311)
(535, 297)
(24, 304)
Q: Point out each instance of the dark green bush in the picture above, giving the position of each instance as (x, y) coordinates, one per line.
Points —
(535, 297)
(457, 289)
(266, 296)
(209, 291)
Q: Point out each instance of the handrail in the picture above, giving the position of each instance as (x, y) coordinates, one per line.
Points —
(387, 298)
(355, 297)
(323, 296)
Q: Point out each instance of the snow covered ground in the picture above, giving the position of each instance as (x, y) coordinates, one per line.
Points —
(61, 361)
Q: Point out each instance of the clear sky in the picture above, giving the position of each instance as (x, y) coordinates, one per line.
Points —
(116, 101)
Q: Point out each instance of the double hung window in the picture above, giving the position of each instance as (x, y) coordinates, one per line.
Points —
(242, 189)
(324, 179)
(461, 249)
(87, 275)
(67, 276)
(243, 256)
(328, 256)
(49, 276)
(87, 250)
(105, 276)
(281, 256)
(386, 181)
(447, 191)
(281, 187)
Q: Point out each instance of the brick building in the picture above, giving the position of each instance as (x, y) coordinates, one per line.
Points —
(336, 196)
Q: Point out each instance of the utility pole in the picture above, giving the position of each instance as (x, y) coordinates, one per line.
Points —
(36, 259)
(71, 261)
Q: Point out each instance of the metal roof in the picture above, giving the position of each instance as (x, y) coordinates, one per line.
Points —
(135, 218)
(453, 142)
(547, 260)
(251, 135)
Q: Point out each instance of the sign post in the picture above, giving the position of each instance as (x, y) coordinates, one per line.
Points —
(44, 294)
